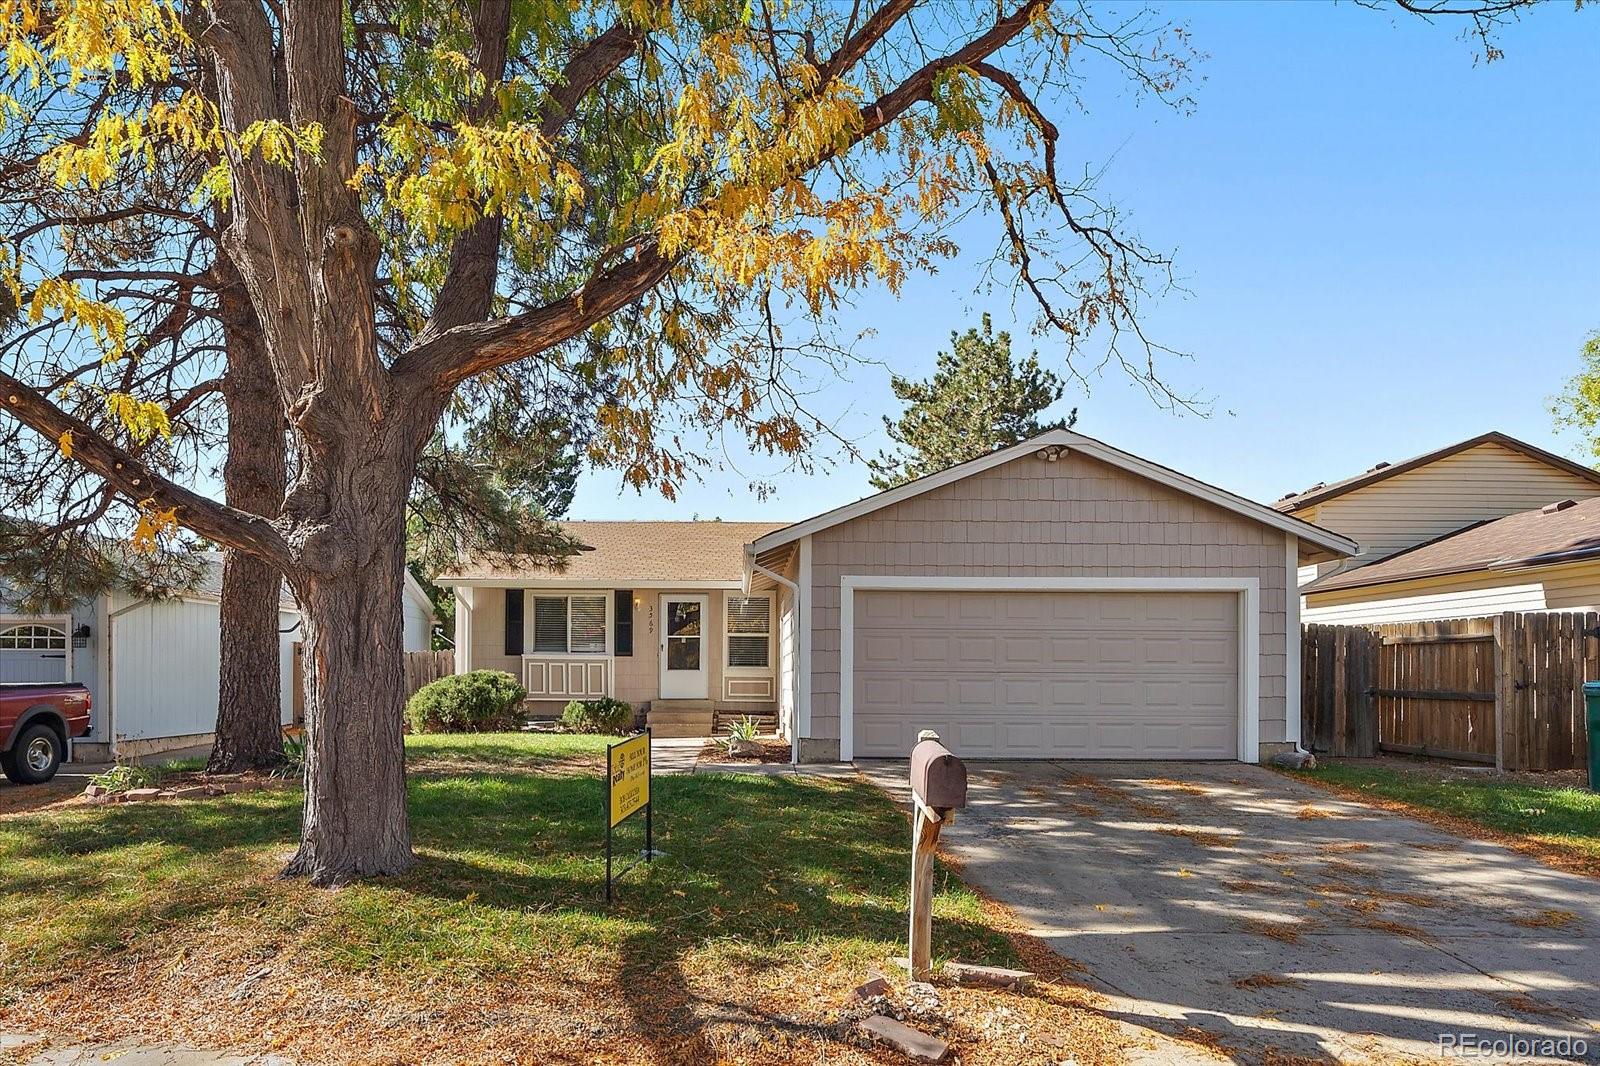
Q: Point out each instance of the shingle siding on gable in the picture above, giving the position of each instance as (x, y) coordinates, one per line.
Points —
(1074, 518)
(1489, 481)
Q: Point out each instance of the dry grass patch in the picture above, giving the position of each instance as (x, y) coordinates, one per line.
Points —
(1549, 918)
(1393, 928)
(1346, 847)
(1346, 868)
(1201, 837)
(1257, 888)
(1178, 786)
(1265, 980)
(1523, 1003)
(776, 895)
(1284, 932)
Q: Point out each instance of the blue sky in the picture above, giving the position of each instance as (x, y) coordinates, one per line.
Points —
(1386, 247)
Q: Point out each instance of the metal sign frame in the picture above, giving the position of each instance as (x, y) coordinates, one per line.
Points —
(648, 808)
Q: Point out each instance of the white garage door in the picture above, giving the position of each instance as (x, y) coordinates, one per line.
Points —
(32, 653)
(1087, 675)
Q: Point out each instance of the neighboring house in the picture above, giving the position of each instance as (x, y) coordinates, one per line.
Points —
(152, 666)
(1542, 560)
(1055, 599)
(1395, 507)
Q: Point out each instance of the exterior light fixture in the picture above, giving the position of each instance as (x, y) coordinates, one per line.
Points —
(80, 636)
(1051, 452)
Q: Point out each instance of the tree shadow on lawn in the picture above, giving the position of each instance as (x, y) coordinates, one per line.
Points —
(510, 876)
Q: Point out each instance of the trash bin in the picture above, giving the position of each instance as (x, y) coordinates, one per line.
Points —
(1591, 705)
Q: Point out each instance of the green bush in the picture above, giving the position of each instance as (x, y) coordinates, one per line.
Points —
(606, 715)
(125, 777)
(484, 701)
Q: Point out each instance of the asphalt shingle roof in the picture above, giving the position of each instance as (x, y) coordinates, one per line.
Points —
(1551, 534)
(627, 552)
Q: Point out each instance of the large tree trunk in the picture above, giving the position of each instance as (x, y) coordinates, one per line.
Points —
(249, 697)
(351, 597)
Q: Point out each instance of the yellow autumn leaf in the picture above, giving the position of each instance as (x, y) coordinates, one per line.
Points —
(65, 443)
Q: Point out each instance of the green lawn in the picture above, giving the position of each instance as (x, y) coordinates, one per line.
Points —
(1562, 818)
(771, 878)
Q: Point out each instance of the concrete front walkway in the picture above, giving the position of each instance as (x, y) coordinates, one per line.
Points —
(1230, 899)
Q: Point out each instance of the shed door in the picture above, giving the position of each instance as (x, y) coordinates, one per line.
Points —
(1028, 675)
(32, 653)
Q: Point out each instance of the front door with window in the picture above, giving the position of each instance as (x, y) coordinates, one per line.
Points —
(685, 673)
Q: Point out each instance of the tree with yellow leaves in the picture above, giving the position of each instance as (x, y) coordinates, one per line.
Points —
(422, 193)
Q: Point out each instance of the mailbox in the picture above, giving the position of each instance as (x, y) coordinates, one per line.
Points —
(937, 777)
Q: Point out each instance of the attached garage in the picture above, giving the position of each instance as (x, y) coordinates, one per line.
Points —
(1059, 599)
(1133, 673)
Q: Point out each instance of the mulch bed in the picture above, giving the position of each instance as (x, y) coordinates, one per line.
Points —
(773, 750)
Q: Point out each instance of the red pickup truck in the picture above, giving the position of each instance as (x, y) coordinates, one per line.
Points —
(35, 724)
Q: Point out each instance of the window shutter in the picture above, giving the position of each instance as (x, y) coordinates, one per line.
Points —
(513, 621)
(550, 623)
(749, 630)
(588, 624)
(622, 613)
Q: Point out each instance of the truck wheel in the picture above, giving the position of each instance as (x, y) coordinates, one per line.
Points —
(35, 757)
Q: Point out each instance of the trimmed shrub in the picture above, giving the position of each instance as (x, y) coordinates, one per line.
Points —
(484, 701)
(605, 715)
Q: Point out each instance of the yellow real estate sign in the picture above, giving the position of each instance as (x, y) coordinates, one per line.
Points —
(630, 776)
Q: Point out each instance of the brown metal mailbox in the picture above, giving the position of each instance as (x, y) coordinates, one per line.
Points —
(937, 777)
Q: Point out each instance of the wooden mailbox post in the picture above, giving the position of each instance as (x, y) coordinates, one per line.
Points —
(938, 789)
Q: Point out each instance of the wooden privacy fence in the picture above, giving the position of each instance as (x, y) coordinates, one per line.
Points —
(1506, 689)
(425, 666)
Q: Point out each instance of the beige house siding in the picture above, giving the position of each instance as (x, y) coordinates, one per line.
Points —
(1488, 481)
(1570, 587)
(1074, 518)
(637, 676)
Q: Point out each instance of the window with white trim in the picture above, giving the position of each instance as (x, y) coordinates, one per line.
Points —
(33, 637)
(570, 624)
(749, 626)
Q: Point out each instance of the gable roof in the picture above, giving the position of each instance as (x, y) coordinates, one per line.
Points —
(1296, 501)
(1076, 442)
(1557, 533)
(625, 554)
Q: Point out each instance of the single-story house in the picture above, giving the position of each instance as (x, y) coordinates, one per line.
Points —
(152, 666)
(1060, 598)
(1544, 559)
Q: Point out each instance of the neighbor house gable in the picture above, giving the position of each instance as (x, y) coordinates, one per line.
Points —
(1410, 503)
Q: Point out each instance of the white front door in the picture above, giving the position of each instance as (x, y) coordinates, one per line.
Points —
(685, 672)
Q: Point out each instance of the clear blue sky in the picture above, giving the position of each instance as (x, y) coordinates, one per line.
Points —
(1387, 247)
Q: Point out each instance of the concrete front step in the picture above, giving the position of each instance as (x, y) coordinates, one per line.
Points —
(661, 730)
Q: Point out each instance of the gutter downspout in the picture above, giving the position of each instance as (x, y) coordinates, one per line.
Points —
(750, 570)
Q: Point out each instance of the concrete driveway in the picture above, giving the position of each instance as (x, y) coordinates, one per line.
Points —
(1276, 918)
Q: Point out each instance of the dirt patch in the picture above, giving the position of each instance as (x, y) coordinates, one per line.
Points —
(773, 750)
(1443, 770)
